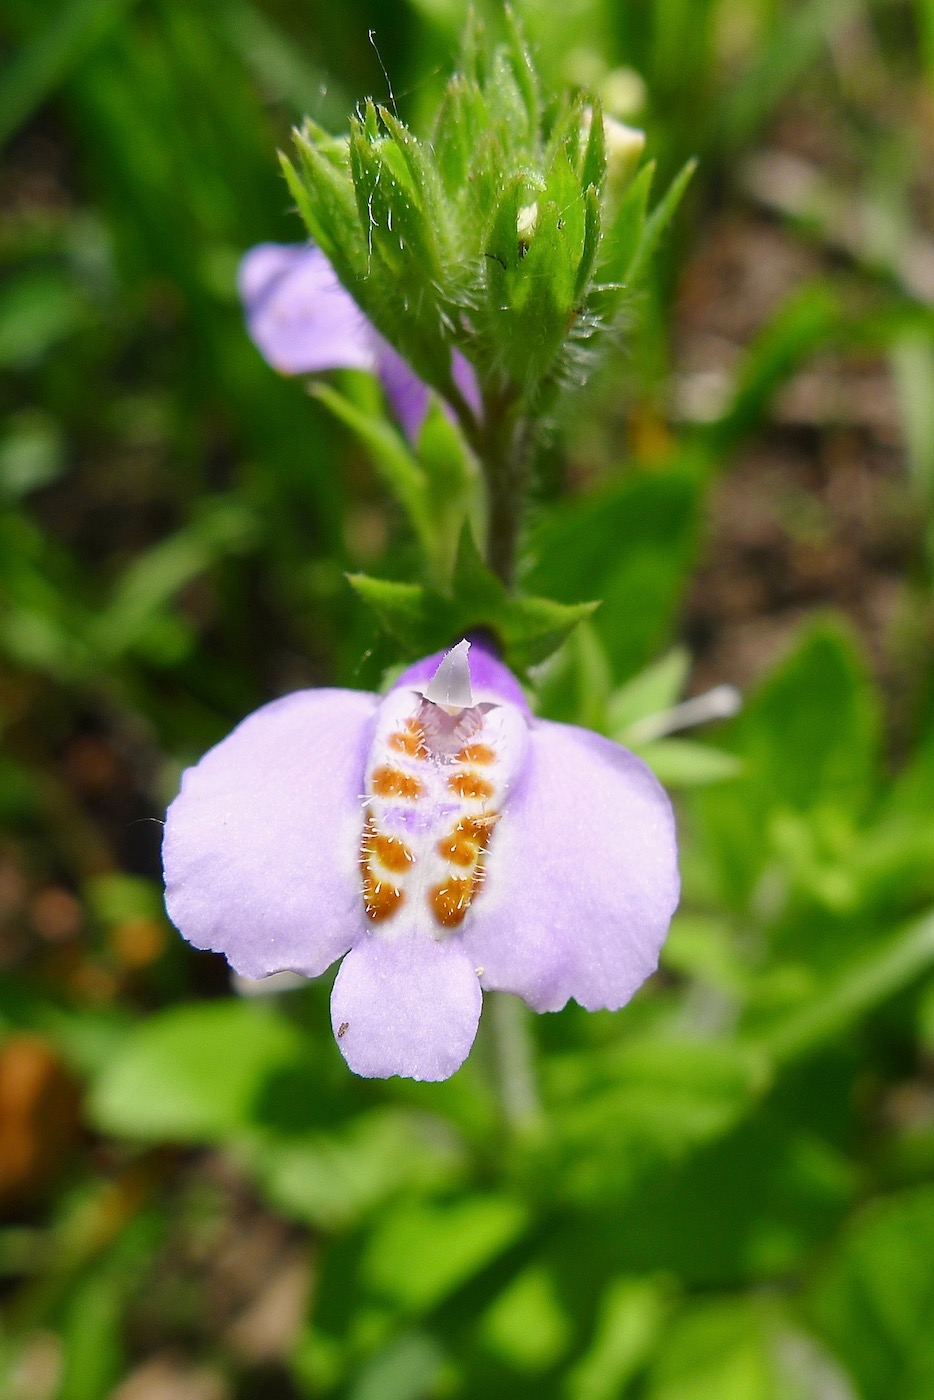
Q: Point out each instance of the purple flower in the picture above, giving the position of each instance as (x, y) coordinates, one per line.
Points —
(440, 840)
(303, 321)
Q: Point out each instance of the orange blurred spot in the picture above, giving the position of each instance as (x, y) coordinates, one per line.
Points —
(56, 914)
(138, 942)
(89, 982)
(39, 1117)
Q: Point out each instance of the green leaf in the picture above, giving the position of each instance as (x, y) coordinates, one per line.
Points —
(630, 543)
(193, 1073)
(573, 686)
(399, 201)
(652, 1103)
(658, 221)
(874, 1299)
(809, 742)
(654, 689)
(461, 123)
(742, 1349)
(523, 68)
(454, 484)
(43, 62)
(222, 527)
(807, 322)
(423, 620)
(593, 165)
(421, 1252)
(409, 1367)
(527, 1326)
(682, 763)
(327, 203)
(632, 1315)
(37, 311)
(333, 1179)
(810, 734)
(622, 233)
(390, 455)
(869, 981)
(402, 609)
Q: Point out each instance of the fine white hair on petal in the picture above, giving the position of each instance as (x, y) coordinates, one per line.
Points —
(450, 684)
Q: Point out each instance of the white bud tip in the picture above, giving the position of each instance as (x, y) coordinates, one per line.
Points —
(450, 684)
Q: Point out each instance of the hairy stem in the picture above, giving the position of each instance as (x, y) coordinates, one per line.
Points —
(504, 450)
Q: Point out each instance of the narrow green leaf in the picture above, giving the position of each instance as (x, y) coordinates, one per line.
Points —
(46, 58)
(682, 763)
(402, 608)
(397, 467)
(872, 980)
(658, 220)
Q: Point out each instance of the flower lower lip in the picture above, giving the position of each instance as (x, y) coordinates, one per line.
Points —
(559, 885)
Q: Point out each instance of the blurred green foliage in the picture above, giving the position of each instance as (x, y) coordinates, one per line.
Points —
(730, 1192)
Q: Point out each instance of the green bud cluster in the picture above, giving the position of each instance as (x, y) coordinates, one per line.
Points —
(507, 234)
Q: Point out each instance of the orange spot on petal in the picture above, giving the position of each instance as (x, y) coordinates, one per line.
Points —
(380, 898)
(391, 852)
(458, 850)
(451, 900)
(392, 782)
(476, 753)
(466, 843)
(470, 785)
(409, 741)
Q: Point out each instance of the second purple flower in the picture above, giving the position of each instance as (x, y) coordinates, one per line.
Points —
(303, 321)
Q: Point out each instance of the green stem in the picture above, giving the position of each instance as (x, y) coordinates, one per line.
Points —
(515, 1063)
(504, 450)
(502, 441)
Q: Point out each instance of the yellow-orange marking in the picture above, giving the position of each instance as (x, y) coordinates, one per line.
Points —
(392, 853)
(476, 753)
(470, 785)
(466, 843)
(450, 901)
(392, 782)
(409, 740)
(380, 898)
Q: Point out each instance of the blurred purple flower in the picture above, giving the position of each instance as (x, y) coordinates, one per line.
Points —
(440, 837)
(303, 321)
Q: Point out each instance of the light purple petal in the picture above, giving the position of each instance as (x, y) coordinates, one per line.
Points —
(408, 395)
(407, 1005)
(490, 679)
(298, 314)
(462, 372)
(262, 843)
(581, 879)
